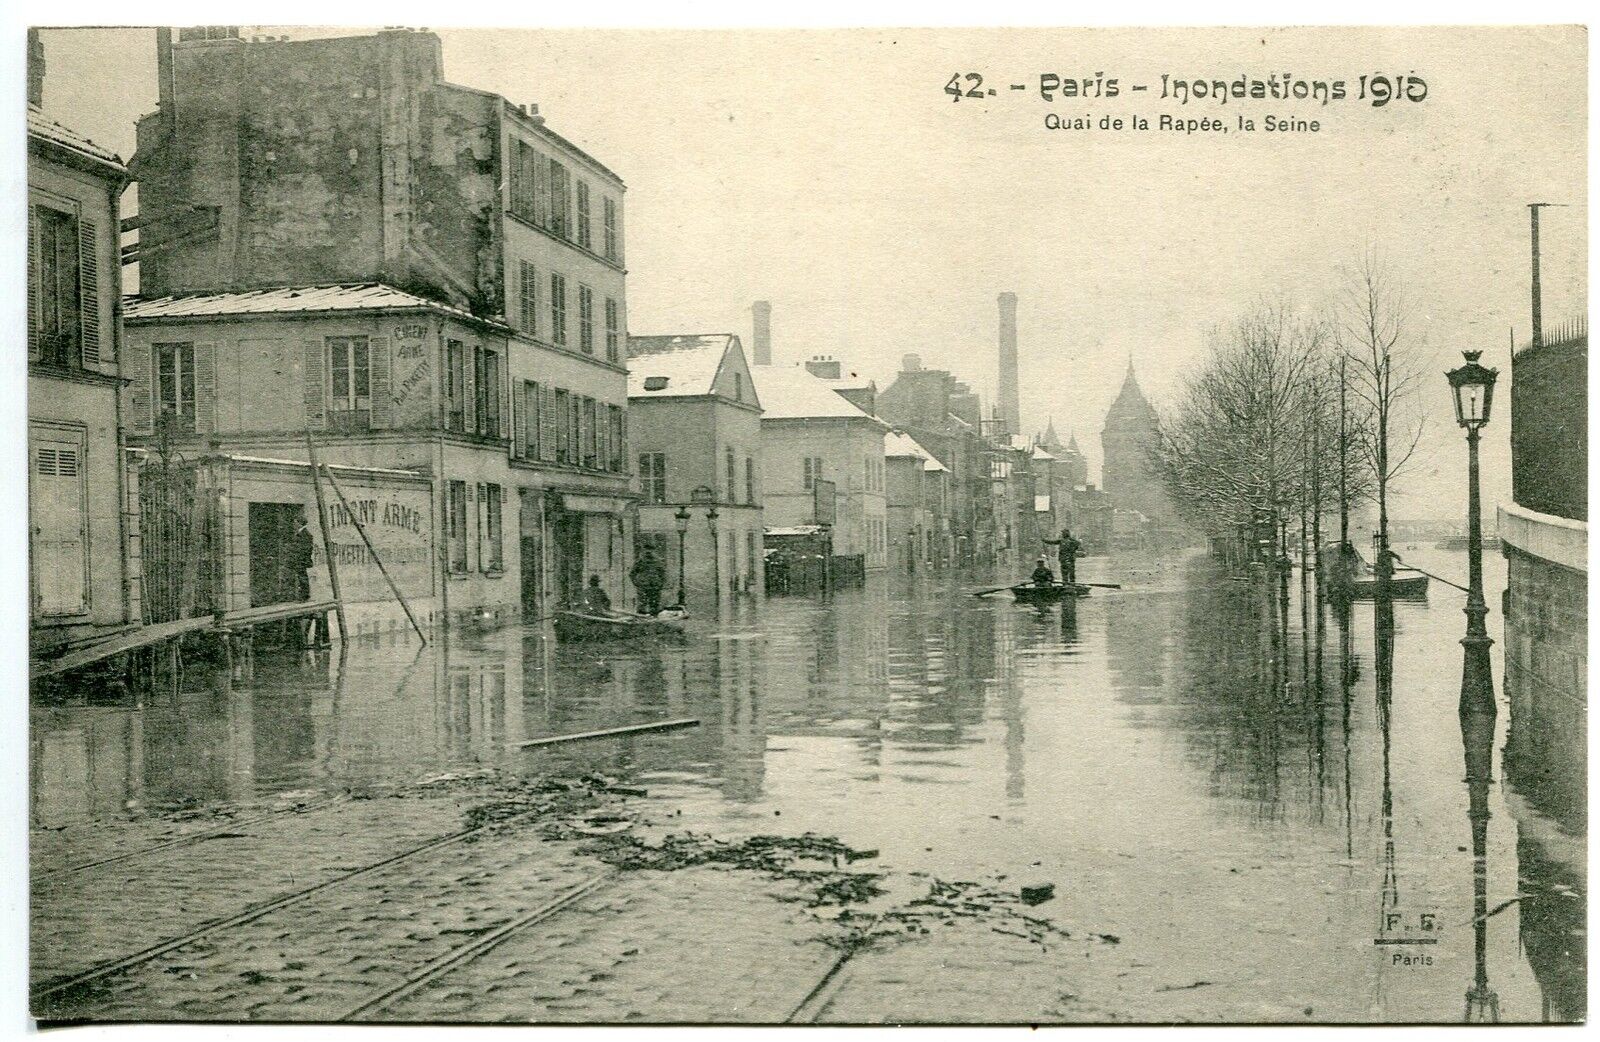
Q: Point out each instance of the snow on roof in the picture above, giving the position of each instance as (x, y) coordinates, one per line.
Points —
(53, 132)
(1040, 453)
(286, 300)
(851, 381)
(790, 392)
(900, 444)
(675, 366)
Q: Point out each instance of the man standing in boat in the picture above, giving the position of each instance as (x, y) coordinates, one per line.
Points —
(648, 578)
(1042, 575)
(1068, 552)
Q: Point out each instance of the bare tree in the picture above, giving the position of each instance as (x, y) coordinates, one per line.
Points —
(1384, 379)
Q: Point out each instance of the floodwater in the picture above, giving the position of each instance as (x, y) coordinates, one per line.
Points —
(1226, 782)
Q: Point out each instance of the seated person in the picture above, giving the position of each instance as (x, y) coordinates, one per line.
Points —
(595, 599)
(1042, 575)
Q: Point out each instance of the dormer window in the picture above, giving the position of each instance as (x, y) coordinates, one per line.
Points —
(655, 383)
(738, 387)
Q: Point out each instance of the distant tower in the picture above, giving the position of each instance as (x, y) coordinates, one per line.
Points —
(1127, 441)
(1008, 408)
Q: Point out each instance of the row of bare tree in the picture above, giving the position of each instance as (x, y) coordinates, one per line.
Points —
(1298, 414)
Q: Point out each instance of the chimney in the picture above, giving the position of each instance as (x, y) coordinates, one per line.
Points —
(825, 366)
(762, 341)
(910, 363)
(35, 69)
(166, 99)
(1008, 409)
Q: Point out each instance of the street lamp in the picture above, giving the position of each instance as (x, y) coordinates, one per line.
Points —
(1473, 388)
(682, 519)
(716, 558)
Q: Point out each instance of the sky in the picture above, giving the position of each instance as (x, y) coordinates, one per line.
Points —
(828, 172)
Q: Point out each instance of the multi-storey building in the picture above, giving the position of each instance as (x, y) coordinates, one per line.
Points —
(943, 415)
(444, 284)
(82, 552)
(695, 429)
(917, 505)
(810, 434)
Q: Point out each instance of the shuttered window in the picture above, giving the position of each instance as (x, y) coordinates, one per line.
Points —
(349, 383)
(563, 428)
(456, 521)
(653, 476)
(59, 303)
(528, 299)
(531, 417)
(613, 330)
(558, 309)
(58, 535)
(585, 319)
(613, 241)
(455, 384)
(584, 238)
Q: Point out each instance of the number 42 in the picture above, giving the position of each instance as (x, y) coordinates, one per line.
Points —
(953, 88)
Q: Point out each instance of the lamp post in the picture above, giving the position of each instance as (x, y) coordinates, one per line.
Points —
(1473, 388)
(716, 559)
(682, 519)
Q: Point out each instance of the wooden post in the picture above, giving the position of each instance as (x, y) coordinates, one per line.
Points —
(362, 532)
(327, 541)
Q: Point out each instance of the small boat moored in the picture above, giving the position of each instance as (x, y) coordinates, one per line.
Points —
(575, 627)
(1404, 585)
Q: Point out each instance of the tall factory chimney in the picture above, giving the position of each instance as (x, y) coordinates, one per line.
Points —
(762, 341)
(1010, 411)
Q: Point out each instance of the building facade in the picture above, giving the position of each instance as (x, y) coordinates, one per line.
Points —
(695, 422)
(349, 166)
(809, 434)
(916, 505)
(82, 538)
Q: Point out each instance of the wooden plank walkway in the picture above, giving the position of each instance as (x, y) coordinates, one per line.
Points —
(145, 636)
(142, 637)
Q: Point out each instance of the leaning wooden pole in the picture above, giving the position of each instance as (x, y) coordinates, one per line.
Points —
(362, 532)
(327, 539)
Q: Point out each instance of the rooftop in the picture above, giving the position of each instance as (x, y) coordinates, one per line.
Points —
(790, 392)
(53, 132)
(286, 300)
(679, 366)
(899, 443)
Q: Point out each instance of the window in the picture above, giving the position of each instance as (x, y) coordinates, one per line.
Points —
(60, 318)
(175, 383)
(486, 409)
(530, 421)
(612, 241)
(750, 480)
(653, 476)
(528, 300)
(583, 215)
(563, 429)
(491, 557)
(729, 469)
(752, 558)
(456, 520)
(613, 330)
(618, 449)
(558, 309)
(57, 546)
(559, 217)
(455, 384)
(575, 428)
(738, 387)
(349, 381)
(812, 472)
(586, 427)
(585, 319)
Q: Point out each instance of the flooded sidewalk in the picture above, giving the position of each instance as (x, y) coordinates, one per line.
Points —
(1189, 800)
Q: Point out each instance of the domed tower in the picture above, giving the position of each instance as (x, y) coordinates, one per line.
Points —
(1127, 440)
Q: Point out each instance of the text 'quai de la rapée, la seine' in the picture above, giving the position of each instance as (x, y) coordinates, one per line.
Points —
(1184, 125)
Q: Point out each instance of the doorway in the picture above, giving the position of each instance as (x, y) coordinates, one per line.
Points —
(279, 568)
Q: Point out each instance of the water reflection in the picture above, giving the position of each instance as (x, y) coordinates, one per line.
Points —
(1222, 764)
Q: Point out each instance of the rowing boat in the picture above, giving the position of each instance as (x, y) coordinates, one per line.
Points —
(1027, 593)
(1402, 585)
(573, 627)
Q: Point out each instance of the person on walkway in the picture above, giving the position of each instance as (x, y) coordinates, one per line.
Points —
(1068, 552)
(298, 560)
(648, 578)
(1042, 575)
(595, 598)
